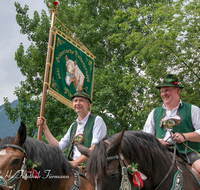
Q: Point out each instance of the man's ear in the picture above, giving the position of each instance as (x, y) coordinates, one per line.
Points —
(178, 91)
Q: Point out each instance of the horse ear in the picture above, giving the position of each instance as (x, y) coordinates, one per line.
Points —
(66, 58)
(21, 135)
(74, 63)
(116, 144)
(83, 150)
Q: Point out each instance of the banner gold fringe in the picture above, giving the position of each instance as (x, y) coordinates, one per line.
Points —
(60, 98)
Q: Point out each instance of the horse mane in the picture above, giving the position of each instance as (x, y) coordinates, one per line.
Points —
(54, 166)
(80, 76)
(138, 147)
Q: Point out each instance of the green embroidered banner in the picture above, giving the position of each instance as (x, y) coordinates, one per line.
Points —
(71, 70)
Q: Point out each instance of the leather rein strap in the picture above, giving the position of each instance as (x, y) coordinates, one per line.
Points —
(170, 169)
(173, 160)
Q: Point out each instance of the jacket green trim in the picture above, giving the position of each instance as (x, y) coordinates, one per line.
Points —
(87, 134)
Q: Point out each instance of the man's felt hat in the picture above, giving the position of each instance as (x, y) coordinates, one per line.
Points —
(82, 93)
(170, 80)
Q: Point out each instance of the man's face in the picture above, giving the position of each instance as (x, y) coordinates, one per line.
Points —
(170, 94)
(80, 105)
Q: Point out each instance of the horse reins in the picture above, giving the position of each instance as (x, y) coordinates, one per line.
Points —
(173, 160)
(170, 169)
(10, 183)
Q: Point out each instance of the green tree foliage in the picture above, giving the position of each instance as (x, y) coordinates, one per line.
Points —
(167, 42)
(136, 43)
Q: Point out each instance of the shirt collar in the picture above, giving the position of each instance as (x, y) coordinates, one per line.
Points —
(84, 120)
(180, 104)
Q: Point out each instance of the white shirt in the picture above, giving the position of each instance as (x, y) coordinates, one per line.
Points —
(149, 126)
(98, 133)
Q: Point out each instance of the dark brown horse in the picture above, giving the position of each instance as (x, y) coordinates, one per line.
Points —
(106, 164)
(53, 171)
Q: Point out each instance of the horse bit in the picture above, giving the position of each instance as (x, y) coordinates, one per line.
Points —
(10, 183)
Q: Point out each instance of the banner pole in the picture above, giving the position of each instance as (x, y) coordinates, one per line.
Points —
(45, 84)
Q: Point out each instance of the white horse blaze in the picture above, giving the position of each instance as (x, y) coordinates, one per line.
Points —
(3, 152)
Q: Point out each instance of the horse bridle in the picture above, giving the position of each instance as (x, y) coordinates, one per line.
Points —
(11, 182)
(125, 183)
(70, 75)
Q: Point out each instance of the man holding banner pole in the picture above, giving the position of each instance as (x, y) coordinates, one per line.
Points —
(88, 129)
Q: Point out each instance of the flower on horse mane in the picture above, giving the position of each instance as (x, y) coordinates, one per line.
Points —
(32, 168)
(175, 83)
(132, 168)
(137, 179)
(33, 165)
(54, 3)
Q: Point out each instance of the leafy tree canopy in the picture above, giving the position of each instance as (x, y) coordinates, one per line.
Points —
(136, 44)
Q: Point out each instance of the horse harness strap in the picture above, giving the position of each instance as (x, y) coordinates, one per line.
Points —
(70, 75)
(10, 184)
(16, 147)
(77, 180)
(177, 181)
(125, 183)
(121, 159)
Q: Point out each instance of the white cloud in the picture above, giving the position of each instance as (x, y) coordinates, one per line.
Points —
(10, 75)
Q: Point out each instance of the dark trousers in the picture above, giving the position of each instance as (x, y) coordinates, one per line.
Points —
(192, 156)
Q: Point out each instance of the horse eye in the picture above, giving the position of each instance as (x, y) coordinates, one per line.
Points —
(114, 176)
(16, 161)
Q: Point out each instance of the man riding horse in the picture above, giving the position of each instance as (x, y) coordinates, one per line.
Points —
(176, 121)
(88, 129)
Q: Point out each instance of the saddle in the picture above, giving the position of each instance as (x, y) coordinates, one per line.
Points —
(190, 168)
(195, 172)
(82, 169)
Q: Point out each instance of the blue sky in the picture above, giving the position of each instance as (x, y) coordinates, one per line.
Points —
(10, 75)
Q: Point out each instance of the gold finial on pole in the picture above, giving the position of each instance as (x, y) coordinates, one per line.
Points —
(53, 7)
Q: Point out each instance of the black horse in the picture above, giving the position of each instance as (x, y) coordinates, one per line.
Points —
(19, 154)
(105, 163)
